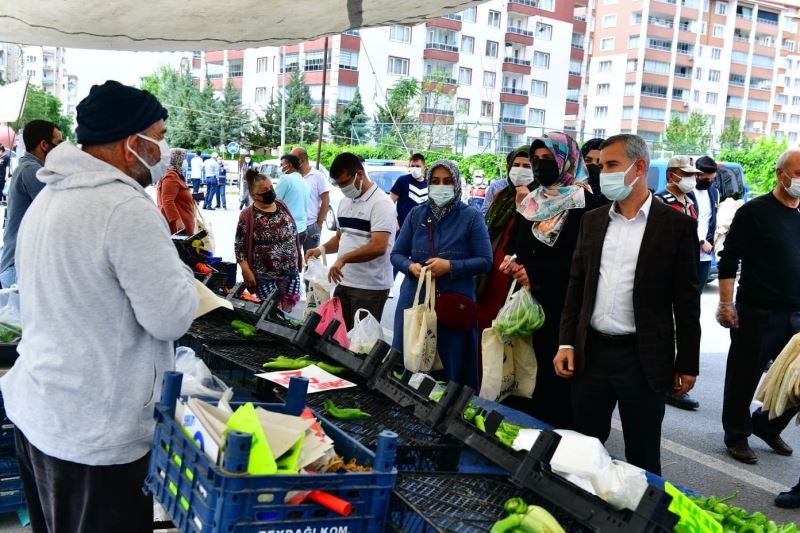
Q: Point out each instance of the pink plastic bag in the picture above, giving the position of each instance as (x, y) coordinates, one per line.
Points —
(328, 311)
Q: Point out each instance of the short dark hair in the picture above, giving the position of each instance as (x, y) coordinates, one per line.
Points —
(417, 157)
(591, 144)
(345, 162)
(198, 153)
(292, 160)
(37, 131)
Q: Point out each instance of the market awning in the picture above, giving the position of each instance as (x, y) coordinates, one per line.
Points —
(177, 25)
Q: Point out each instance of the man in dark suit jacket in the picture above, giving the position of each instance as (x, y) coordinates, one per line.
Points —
(632, 297)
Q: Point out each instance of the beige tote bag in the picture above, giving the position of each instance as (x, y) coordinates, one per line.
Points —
(419, 328)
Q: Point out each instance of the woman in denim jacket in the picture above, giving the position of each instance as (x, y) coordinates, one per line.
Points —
(451, 240)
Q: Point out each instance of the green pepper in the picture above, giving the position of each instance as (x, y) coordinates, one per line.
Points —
(470, 412)
(243, 328)
(342, 413)
(751, 528)
(287, 363)
(330, 368)
(480, 422)
(515, 505)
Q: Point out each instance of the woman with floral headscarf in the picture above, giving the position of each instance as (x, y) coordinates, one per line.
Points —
(544, 237)
(450, 239)
(173, 196)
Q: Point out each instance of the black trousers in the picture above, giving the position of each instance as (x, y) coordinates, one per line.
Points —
(761, 336)
(613, 375)
(65, 497)
(354, 299)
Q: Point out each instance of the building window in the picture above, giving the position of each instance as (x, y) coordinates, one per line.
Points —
(487, 109)
(610, 21)
(698, 73)
(398, 66)
(539, 88)
(290, 62)
(541, 60)
(261, 65)
(605, 66)
(630, 89)
(599, 132)
(711, 98)
(484, 138)
(631, 65)
(313, 61)
(462, 106)
(797, 83)
(721, 8)
(470, 14)
(795, 100)
(603, 89)
(489, 79)
(544, 31)
(780, 117)
(781, 99)
(214, 69)
(601, 111)
(261, 95)
(536, 117)
(465, 76)
(547, 5)
(30, 59)
(716, 53)
(627, 112)
(30, 73)
(794, 119)
(719, 30)
(656, 67)
(494, 18)
(713, 75)
(633, 41)
(788, 44)
(792, 137)
(345, 94)
(575, 67)
(607, 43)
(235, 68)
(652, 113)
(467, 44)
(400, 34)
(491, 49)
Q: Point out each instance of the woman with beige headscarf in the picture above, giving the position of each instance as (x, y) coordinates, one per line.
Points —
(173, 196)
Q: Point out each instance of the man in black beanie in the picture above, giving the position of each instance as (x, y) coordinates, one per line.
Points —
(103, 297)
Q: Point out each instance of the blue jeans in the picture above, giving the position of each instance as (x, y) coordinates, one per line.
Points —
(221, 195)
(211, 191)
(8, 277)
(195, 185)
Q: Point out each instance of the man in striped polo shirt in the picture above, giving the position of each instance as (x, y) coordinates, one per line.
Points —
(363, 242)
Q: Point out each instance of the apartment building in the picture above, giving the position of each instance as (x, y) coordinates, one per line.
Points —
(652, 60)
(45, 66)
(505, 71)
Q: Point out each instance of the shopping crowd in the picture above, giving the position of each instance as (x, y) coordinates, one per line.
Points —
(617, 268)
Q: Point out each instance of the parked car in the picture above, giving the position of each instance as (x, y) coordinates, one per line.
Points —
(730, 179)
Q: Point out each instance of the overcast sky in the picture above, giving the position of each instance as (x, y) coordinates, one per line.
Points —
(96, 66)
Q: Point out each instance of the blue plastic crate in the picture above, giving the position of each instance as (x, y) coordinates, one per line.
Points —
(201, 498)
(6, 427)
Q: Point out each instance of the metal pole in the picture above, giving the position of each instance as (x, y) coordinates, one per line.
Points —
(322, 109)
(283, 100)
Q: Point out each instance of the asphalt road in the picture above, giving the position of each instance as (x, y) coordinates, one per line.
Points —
(693, 452)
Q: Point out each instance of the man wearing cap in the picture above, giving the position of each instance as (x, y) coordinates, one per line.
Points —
(706, 198)
(103, 297)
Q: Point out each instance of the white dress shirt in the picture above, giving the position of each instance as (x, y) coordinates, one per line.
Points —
(703, 219)
(613, 307)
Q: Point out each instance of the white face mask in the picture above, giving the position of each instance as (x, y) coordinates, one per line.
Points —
(612, 184)
(793, 190)
(520, 176)
(416, 173)
(351, 191)
(158, 169)
(687, 184)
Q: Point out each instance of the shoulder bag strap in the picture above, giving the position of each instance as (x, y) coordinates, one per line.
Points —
(423, 275)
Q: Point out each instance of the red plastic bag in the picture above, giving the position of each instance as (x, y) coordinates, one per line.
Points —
(328, 311)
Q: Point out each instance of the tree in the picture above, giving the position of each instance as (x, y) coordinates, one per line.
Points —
(437, 101)
(758, 161)
(349, 126)
(690, 137)
(234, 121)
(732, 136)
(267, 130)
(176, 91)
(397, 117)
(208, 116)
(41, 105)
(302, 120)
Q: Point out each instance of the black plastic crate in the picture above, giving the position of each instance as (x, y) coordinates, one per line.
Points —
(419, 448)
(463, 503)
(215, 328)
(238, 364)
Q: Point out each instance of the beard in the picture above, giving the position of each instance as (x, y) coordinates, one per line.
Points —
(140, 174)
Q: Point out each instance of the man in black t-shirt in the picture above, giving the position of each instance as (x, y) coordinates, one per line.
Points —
(410, 190)
(765, 238)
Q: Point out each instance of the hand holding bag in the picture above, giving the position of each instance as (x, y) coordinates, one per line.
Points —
(453, 309)
(419, 328)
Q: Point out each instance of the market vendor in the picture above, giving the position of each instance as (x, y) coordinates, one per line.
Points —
(103, 296)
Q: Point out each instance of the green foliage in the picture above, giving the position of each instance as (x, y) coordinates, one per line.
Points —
(399, 116)
(302, 121)
(692, 136)
(732, 136)
(42, 106)
(758, 160)
(350, 125)
(267, 130)
(492, 165)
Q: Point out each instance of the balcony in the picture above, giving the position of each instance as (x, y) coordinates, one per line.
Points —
(517, 61)
(48, 81)
(513, 121)
(453, 16)
(531, 3)
(519, 31)
(354, 33)
(514, 90)
(742, 16)
(579, 45)
(741, 38)
(581, 18)
(523, 7)
(438, 112)
(505, 148)
(767, 21)
(442, 46)
(439, 79)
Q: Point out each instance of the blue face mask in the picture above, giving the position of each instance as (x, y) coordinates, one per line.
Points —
(441, 194)
(612, 184)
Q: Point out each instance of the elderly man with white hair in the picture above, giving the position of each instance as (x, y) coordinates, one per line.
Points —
(765, 239)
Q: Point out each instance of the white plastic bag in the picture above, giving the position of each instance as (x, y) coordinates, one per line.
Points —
(319, 288)
(10, 327)
(197, 378)
(365, 333)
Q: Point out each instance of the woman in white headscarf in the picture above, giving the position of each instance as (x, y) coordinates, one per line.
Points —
(450, 239)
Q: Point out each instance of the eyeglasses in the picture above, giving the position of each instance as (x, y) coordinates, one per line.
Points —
(337, 184)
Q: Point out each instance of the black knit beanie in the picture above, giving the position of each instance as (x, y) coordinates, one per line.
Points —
(113, 111)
